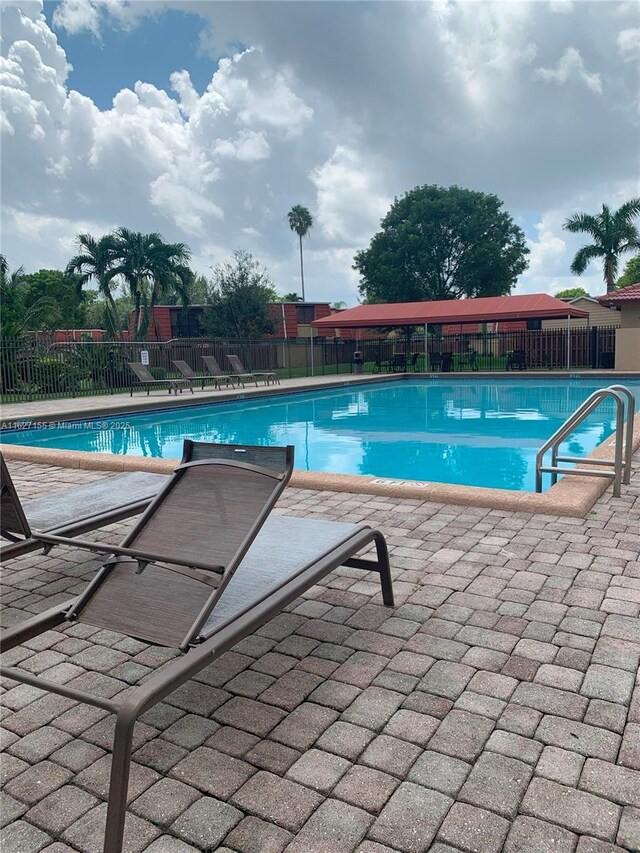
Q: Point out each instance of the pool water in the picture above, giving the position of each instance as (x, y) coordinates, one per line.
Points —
(476, 432)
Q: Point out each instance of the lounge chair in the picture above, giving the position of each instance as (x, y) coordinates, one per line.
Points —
(435, 361)
(211, 363)
(227, 568)
(267, 377)
(517, 359)
(191, 376)
(73, 511)
(145, 378)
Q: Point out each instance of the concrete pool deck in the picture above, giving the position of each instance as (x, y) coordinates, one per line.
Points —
(496, 709)
(571, 496)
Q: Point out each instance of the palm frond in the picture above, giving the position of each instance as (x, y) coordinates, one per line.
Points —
(584, 256)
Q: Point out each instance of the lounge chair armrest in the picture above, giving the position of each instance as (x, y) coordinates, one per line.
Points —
(107, 548)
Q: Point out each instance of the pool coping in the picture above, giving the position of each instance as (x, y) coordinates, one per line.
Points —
(572, 496)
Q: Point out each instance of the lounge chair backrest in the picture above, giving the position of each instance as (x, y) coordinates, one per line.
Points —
(13, 521)
(209, 512)
(212, 365)
(278, 458)
(237, 365)
(185, 369)
(141, 371)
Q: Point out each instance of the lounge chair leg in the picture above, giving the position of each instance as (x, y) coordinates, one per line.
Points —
(119, 782)
(384, 569)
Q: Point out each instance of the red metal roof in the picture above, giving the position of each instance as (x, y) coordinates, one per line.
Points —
(488, 309)
(619, 297)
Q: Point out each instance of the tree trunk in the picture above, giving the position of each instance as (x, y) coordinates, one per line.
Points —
(608, 275)
(301, 267)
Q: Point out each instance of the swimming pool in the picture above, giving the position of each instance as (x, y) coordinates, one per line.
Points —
(476, 432)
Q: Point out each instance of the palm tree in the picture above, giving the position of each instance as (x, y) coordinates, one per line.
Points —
(18, 315)
(613, 233)
(150, 268)
(94, 261)
(300, 221)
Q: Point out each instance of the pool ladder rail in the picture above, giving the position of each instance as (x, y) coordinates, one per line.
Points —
(619, 467)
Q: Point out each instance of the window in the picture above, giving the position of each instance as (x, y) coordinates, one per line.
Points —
(534, 325)
(305, 313)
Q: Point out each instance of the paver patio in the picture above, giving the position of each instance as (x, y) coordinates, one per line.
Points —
(496, 708)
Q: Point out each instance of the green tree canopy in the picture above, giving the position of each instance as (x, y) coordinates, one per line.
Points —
(64, 290)
(23, 311)
(631, 273)
(151, 268)
(300, 221)
(92, 263)
(238, 297)
(291, 297)
(571, 293)
(442, 243)
(612, 234)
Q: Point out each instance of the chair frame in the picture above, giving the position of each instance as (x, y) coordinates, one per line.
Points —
(191, 376)
(140, 369)
(211, 363)
(17, 547)
(268, 377)
(200, 649)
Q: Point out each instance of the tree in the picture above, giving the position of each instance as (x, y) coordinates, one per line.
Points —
(64, 292)
(118, 313)
(151, 268)
(19, 314)
(93, 261)
(239, 294)
(572, 293)
(292, 297)
(442, 243)
(612, 233)
(631, 274)
(300, 221)
(339, 305)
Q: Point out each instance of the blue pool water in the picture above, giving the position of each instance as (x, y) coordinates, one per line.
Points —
(475, 432)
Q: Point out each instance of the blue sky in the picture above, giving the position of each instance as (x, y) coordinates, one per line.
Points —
(150, 51)
(206, 121)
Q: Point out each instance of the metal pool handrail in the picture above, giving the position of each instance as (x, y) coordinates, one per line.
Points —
(621, 463)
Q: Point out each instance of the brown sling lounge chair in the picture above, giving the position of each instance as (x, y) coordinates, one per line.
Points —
(204, 567)
(191, 376)
(146, 380)
(211, 363)
(241, 373)
(70, 512)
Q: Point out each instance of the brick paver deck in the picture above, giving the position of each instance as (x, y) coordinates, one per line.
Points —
(496, 708)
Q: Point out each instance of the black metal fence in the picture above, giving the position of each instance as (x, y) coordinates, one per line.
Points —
(37, 370)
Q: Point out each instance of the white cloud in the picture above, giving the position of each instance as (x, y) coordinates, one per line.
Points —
(629, 44)
(349, 204)
(337, 106)
(571, 67)
(561, 7)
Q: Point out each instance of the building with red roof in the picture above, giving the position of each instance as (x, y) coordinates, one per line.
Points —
(627, 301)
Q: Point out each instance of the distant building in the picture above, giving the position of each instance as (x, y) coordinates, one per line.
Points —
(599, 315)
(58, 336)
(292, 319)
(627, 301)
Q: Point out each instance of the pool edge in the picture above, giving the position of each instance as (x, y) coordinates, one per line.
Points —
(573, 496)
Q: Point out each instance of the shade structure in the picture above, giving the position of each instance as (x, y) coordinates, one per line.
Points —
(490, 309)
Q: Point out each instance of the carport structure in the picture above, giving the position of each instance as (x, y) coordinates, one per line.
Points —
(490, 309)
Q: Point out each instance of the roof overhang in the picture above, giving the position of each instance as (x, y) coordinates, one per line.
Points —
(491, 309)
